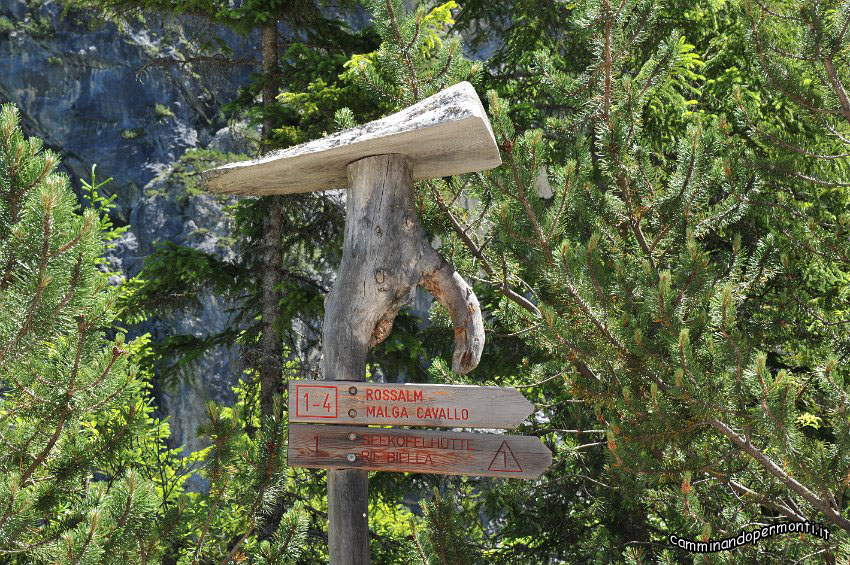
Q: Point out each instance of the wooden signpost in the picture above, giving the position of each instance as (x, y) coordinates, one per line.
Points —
(442, 406)
(417, 451)
(385, 254)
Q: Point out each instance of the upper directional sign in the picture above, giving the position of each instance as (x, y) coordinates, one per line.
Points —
(417, 451)
(445, 406)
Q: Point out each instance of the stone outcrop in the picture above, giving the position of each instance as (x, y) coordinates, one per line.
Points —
(78, 89)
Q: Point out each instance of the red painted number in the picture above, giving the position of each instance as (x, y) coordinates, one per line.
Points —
(316, 401)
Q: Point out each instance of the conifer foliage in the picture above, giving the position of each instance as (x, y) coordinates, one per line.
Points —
(85, 475)
(644, 269)
(416, 59)
(69, 398)
(664, 268)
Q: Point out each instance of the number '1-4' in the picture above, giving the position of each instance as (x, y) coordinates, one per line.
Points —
(326, 404)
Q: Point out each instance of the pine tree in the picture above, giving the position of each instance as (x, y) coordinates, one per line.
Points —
(247, 18)
(416, 58)
(637, 263)
(445, 538)
(70, 401)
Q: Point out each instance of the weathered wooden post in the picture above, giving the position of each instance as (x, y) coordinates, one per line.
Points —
(385, 253)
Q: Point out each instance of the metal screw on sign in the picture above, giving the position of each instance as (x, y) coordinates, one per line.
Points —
(351, 458)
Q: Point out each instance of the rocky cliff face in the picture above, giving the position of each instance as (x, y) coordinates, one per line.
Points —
(79, 89)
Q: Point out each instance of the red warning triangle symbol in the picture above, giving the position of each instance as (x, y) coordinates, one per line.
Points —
(504, 460)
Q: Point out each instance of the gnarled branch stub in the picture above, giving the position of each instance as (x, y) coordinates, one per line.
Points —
(385, 252)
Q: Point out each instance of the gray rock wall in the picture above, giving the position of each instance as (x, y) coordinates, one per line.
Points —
(77, 88)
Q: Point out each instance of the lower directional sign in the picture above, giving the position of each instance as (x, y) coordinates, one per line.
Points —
(417, 451)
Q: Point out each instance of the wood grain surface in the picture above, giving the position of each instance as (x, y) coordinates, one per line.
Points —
(445, 134)
(443, 406)
(385, 254)
(417, 451)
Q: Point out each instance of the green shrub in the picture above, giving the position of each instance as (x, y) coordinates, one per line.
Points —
(72, 402)
(162, 111)
(134, 133)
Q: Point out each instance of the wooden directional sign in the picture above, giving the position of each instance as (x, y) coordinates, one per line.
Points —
(417, 451)
(444, 406)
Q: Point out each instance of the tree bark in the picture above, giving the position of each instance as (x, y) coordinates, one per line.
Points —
(271, 81)
(384, 255)
(348, 521)
(271, 349)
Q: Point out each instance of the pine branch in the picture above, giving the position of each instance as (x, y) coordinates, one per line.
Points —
(774, 80)
(784, 171)
(92, 528)
(417, 544)
(607, 62)
(216, 501)
(839, 39)
(412, 75)
(837, 88)
(72, 288)
(520, 195)
(26, 326)
(23, 550)
(84, 230)
(775, 14)
(795, 148)
(506, 290)
(218, 60)
(767, 464)
(601, 326)
(634, 223)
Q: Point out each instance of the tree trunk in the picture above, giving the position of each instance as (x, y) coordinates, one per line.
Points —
(271, 350)
(271, 338)
(384, 256)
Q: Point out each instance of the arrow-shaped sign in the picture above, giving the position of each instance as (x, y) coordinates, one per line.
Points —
(444, 406)
(417, 451)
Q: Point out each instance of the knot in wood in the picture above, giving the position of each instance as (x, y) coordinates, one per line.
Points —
(380, 276)
(378, 231)
(409, 223)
